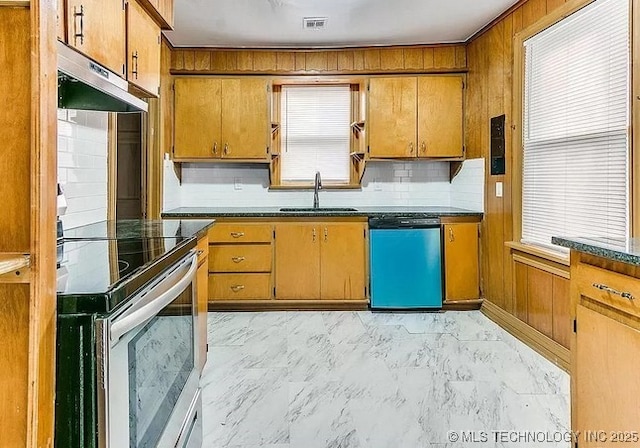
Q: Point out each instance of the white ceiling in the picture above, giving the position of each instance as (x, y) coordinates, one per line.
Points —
(278, 23)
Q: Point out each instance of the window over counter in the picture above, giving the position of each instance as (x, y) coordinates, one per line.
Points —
(317, 128)
(575, 121)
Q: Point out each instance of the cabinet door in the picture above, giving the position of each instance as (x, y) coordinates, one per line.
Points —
(60, 22)
(297, 261)
(245, 118)
(392, 117)
(540, 300)
(202, 285)
(97, 29)
(440, 116)
(606, 392)
(342, 261)
(198, 133)
(462, 277)
(143, 39)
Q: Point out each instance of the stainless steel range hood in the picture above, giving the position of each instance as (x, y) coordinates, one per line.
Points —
(86, 85)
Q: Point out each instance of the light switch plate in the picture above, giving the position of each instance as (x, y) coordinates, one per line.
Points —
(498, 189)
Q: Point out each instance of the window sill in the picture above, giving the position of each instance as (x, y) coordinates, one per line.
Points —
(310, 187)
(539, 252)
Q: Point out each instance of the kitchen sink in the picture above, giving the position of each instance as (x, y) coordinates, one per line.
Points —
(319, 209)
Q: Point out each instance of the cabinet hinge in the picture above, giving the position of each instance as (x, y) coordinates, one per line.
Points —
(159, 39)
(463, 85)
(575, 325)
(365, 291)
(364, 233)
(274, 234)
(173, 151)
(124, 69)
(267, 150)
(464, 149)
(368, 149)
(274, 291)
(207, 348)
(575, 444)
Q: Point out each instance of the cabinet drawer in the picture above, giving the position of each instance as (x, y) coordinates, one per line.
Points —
(240, 258)
(202, 249)
(241, 233)
(611, 288)
(239, 286)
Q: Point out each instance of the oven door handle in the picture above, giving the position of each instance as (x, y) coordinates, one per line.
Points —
(127, 323)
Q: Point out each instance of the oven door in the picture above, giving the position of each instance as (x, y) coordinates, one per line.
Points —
(148, 379)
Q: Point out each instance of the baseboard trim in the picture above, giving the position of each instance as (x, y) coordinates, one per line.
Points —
(288, 305)
(547, 347)
(462, 305)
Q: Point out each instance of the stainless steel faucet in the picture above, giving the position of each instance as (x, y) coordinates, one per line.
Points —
(317, 185)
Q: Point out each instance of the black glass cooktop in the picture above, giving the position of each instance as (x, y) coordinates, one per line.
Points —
(96, 275)
(138, 228)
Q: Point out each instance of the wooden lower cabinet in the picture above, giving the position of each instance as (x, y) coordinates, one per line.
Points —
(320, 261)
(242, 286)
(605, 355)
(461, 262)
(297, 250)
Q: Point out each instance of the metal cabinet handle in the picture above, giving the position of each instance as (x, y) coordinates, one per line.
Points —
(423, 147)
(313, 235)
(80, 14)
(226, 149)
(200, 252)
(623, 294)
(238, 259)
(236, 288)
(237, 234)
(326, 235)
(134, 62)
(452, 238)
(215, 148)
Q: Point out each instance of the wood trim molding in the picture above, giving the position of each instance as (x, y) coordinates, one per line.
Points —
(395, 60)
(544, 345)
(540, 264)
(15, 3)
(288, 305)
(40, 375)
(539, 252)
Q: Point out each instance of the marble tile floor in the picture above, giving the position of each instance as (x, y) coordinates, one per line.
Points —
(377, 380)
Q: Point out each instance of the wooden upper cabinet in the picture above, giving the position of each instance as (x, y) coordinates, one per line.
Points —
(143, 49)
(198, 132)
(461, 265)
(245, 118)
(297, 261)
(391, 121)
(343, 261)
(97, 29)
(440, 116)
(416, 117)
(221, 118)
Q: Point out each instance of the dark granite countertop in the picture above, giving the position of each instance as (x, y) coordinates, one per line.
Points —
(269, 212)
(139, 228)
(623, 250)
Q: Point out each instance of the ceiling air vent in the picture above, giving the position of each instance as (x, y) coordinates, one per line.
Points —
(314, 23)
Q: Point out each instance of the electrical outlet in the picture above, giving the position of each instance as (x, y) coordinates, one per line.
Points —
(237, 183)
(498, 189)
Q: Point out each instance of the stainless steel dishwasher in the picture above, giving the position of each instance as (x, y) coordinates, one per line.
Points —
(406, 263)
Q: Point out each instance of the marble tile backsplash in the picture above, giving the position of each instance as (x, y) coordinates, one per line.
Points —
(82, 165)
(384, 184)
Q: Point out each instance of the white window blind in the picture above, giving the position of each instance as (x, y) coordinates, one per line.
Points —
(316, 133)
(575, 130)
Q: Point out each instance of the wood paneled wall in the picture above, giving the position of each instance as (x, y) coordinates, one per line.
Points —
(440, 58)
(489, 93)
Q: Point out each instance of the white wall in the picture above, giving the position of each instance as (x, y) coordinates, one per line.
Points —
(82, 165)
(424, 183)
(467, 188)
